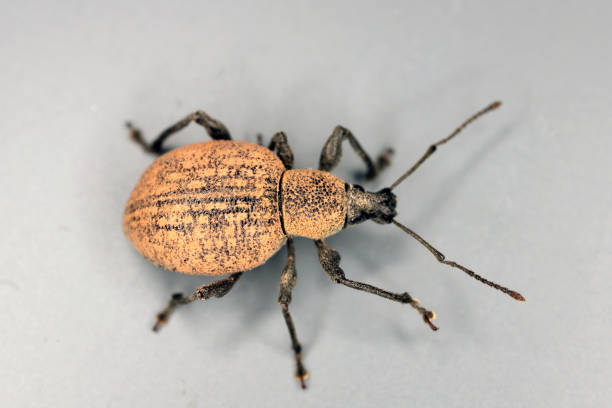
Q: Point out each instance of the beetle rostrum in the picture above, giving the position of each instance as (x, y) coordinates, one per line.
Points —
(363, 205)
(225, 207)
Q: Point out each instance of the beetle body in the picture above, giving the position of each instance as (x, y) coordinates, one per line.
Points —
(224, 207)
(227, 206)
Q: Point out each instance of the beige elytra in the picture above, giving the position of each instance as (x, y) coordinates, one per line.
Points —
(214, 208)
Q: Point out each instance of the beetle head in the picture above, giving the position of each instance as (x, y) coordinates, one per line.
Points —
(364, 205)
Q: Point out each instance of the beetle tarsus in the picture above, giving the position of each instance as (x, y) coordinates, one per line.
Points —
(302, 376)
(164, 315)
(427, 318)
(382, 162)
(427, 314)
(136, 137)
(161, 321)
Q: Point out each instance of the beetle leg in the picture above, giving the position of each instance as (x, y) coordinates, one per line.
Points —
(331, 154)
(330, 261)
(280, 146)
(217, 289)
(287, 283)
(215, 129)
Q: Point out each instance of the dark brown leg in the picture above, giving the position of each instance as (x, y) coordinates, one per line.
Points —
(216, 130)
(217, 289)
(330, 261)
(287, 283)
(280, 146)
(332, 153)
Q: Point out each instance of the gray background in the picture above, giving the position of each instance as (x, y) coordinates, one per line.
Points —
(523, 197)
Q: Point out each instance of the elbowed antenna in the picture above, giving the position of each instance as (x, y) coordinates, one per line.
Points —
(434, 146)
(437, 254)
(442, 259)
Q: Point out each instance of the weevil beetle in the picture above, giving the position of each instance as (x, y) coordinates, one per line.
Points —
(224, 207)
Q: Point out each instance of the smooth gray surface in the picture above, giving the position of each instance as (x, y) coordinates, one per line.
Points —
(523, 197)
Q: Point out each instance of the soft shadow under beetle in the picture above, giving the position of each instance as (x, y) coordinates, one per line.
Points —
(224, 207)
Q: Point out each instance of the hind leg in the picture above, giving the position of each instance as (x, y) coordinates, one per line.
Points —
(217, 289)
(215, 129)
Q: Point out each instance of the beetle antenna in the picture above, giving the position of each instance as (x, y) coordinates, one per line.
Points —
(442, 259)
(434, 146)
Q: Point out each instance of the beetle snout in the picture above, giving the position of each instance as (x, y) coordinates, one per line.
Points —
(387, 201)
(364, 205)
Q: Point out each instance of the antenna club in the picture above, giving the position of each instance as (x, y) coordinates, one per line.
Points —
(495, 105)
(517, 296)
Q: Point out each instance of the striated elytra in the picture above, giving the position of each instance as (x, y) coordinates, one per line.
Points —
(215, 208)
(225, 207)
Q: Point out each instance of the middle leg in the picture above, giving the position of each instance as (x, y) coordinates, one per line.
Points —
(287, 283)
(330, 261)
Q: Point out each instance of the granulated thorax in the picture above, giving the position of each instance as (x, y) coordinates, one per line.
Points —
(313, 203)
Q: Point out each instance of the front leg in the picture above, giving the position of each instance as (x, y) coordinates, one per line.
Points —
(332, 153)
(287, 283)
(330, 261)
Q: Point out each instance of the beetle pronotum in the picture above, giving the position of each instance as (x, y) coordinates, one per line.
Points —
(224, 207)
